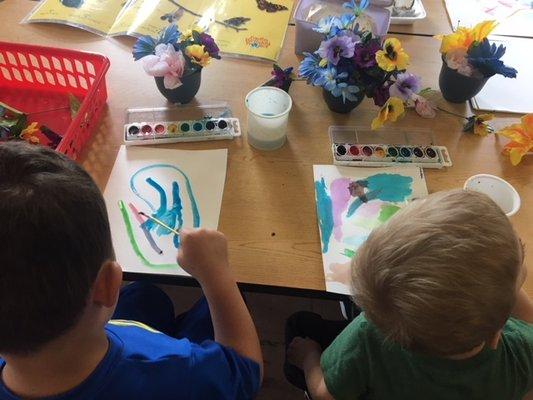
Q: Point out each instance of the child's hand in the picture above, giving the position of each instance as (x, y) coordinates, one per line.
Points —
(203, 254)
(302, 349)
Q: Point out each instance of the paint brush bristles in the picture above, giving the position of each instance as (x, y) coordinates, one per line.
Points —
(160, 223)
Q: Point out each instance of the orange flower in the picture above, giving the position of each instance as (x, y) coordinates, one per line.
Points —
(521, 136)
(463, 37)
(30, 134)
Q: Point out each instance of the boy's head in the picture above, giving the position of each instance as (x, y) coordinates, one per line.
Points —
(441, 276)
(54, 239)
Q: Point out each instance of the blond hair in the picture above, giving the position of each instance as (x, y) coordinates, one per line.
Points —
(440, 276)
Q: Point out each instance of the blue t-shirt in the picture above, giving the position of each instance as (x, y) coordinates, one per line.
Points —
(142, 363)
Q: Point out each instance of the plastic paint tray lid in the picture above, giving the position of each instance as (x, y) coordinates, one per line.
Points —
(499, 190)
(179, 113)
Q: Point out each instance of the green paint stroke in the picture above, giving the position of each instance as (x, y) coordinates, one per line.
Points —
(134, 245)
(387, 211)
(349, 253)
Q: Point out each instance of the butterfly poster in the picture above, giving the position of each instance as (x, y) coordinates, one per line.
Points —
(252, 28)
(351, 202)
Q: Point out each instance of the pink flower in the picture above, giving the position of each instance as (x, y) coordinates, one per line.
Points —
(424, 107)
(167, 63)
(457, 60)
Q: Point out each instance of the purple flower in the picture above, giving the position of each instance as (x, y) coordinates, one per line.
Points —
(405, 86)
(337, 47)
(210, 45)
(381, 95)
(365, 54)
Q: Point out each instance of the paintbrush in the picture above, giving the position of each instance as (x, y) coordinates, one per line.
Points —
(160, 223)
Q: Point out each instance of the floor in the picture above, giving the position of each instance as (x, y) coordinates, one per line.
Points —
(269, 313)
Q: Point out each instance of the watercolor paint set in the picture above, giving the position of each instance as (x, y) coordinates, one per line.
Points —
(148, 126)
(356, 147)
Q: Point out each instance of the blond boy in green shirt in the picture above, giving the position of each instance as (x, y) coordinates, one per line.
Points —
(444, 315)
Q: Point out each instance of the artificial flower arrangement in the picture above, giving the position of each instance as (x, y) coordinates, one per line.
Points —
(521, 136)
(351, 64)
(14, 125)
(469, 53)
(173, 55)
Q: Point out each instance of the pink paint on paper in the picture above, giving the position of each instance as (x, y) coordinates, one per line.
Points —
(370, 209)
(340, 196)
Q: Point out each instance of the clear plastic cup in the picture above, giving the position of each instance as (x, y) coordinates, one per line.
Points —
(499, 190)
(268, 115)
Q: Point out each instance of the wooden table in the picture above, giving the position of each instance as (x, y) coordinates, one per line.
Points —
(268, 210)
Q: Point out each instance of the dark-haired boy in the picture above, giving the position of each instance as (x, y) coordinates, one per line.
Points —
(59, 285)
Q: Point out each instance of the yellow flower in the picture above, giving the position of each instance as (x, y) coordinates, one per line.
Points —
(391, 111)
(392, 56)
(30, 133)
(521, 136)
(198, 55)
(480, 127)
(463, 37)
(187, 35)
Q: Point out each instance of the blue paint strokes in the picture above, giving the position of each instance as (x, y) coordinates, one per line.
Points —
(325, 213)
(174, 216)
(162, 197)
(387, 187)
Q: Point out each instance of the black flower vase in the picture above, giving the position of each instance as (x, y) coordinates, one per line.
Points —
(458, 88)
(336, 104)
(190, 84)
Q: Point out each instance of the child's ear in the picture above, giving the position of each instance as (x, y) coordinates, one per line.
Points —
(493, 344)
(107, 284)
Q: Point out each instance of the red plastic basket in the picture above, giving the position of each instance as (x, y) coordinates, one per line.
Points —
(38, 80)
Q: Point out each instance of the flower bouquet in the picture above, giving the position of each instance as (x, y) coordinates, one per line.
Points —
(176, 61)
(469, 60)
(351, 64)
(15, 125)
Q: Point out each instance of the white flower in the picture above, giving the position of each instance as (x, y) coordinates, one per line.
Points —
(167, 63)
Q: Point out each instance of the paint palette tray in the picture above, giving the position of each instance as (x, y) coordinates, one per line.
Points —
(362, 147)
(147, 126)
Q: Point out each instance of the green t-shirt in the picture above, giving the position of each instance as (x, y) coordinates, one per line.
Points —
(359, 365)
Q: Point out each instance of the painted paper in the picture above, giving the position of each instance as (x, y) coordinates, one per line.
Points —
(182, 189)
(254, 28)
(351, 202)
(515, 17)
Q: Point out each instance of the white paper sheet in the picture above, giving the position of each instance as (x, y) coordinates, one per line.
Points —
(515, 17)
(353, 201)
(513, 95)
(181, 188)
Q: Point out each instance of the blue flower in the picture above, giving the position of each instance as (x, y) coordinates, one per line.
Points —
(347, 92)
(485, 57)
(357, 9)
(346, 21)
(145, 45)
(335, 48)
(310, 68)
(329, 77)
(170, 35)
(328, 26)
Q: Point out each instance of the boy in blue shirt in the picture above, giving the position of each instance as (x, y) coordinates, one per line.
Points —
(444, 315)
(59, 285)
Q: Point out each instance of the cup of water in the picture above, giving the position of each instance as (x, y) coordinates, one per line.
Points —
(499, 190)
(268, 115)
